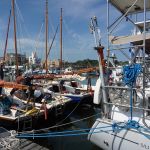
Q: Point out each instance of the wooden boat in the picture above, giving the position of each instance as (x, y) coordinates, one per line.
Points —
(71, 88)
(19, 109)
(68, 85)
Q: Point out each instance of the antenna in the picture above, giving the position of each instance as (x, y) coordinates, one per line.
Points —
(94, 28)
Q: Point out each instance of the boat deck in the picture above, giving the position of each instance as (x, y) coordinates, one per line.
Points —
(59, 101)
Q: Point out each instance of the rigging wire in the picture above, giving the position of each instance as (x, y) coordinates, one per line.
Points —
(38, 36)
(18, 21)
(52, 42)
(7, 35)
(69, 113)
(18, 26)
(23, 22)
(61, 125)
(52, 26)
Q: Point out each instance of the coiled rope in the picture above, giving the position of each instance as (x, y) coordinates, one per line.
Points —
(130, 74)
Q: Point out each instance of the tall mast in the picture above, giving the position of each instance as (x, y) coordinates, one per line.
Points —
(61, 40)
(15, 37)
(4, 56)
(46, 35)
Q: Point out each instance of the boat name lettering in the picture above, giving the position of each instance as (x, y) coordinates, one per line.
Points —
(145, 146)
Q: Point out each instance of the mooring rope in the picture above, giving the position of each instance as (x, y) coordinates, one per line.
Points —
(117, 127)
(64, 133)
(61, 125)
(130, 74)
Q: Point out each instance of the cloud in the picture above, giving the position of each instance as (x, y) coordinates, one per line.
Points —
(76, 9)
(24, 45)
(78, 43)
(81, 47)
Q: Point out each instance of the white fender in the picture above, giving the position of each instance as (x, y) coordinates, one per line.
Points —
(97, 92)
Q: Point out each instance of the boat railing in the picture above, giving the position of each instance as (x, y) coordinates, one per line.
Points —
(127, 106)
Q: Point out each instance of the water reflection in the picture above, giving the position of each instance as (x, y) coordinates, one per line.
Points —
(74, 142)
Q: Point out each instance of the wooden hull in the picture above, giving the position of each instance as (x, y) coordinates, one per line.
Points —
(35, 121)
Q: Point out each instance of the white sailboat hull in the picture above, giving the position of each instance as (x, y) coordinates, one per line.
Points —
(104, 137)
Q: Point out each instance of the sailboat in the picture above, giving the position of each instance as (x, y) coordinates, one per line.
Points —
(125, 118)
(67, 85)
(21, 111)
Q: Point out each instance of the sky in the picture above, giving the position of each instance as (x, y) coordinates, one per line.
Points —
(78, 42)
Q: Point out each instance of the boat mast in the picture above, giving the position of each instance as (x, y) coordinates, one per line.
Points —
(97, 36)
(46, 35)
(4, 56)
(15, 37)
(61, 40)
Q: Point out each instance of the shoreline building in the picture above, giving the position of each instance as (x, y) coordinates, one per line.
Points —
(11, 59)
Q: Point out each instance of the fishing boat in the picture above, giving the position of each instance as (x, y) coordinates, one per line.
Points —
(125, 118)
